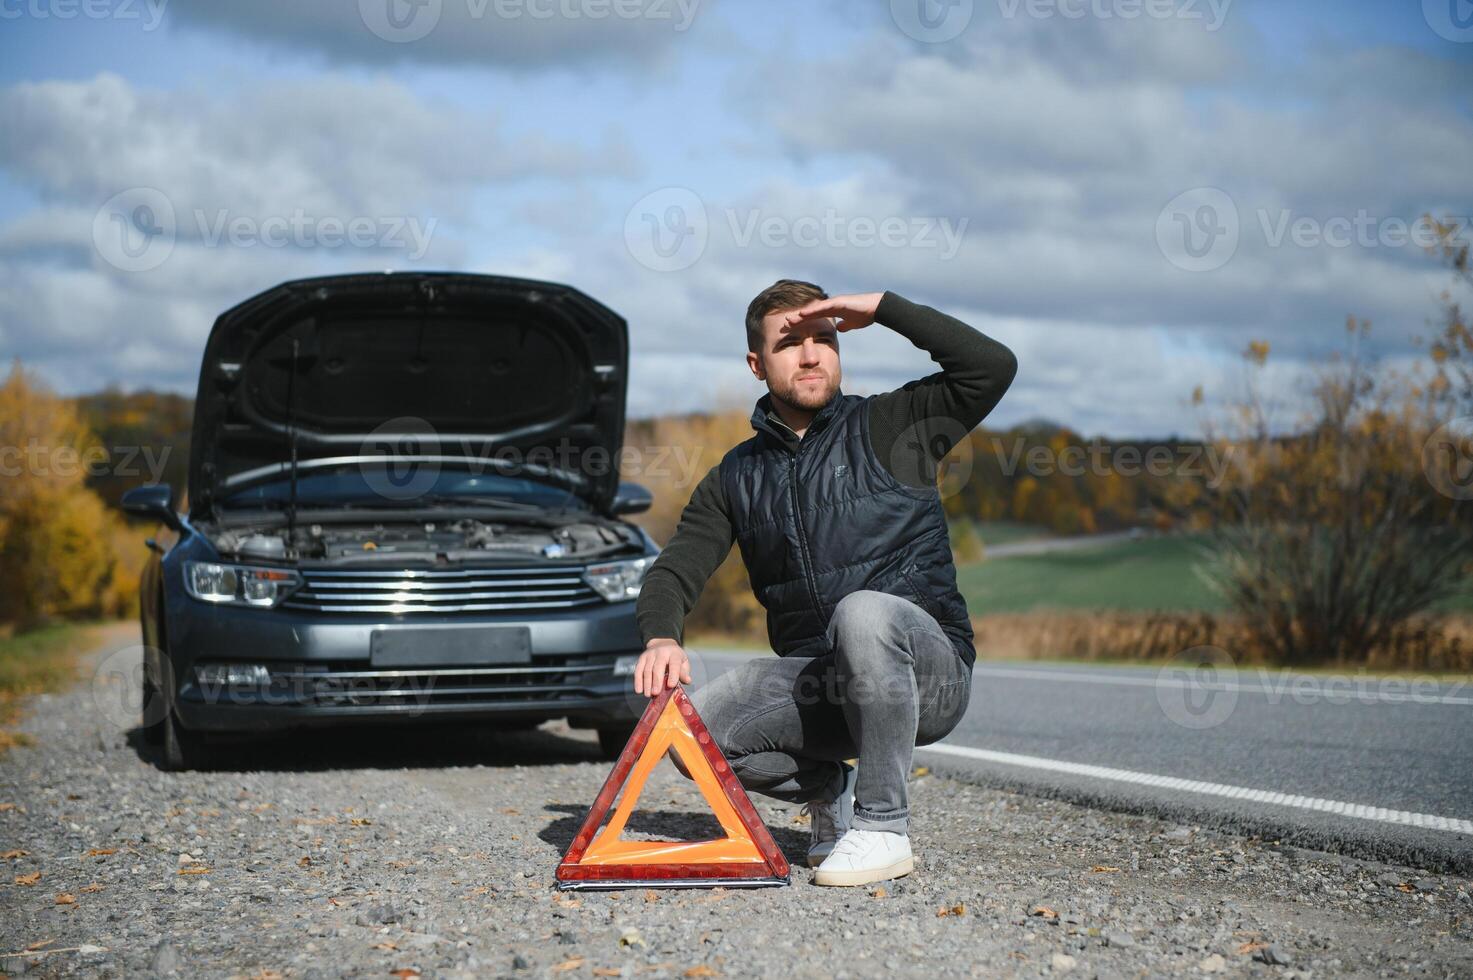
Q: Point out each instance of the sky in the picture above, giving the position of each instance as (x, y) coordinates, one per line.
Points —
(1125, 192)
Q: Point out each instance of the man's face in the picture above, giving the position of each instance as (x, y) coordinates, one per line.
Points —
(800, 363)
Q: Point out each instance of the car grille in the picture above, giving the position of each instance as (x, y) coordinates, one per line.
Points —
(435, 591)
(549, 679)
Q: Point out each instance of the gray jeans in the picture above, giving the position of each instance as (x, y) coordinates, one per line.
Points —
(892, 681)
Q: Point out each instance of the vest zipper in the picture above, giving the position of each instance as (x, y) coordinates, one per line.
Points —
(802, 532)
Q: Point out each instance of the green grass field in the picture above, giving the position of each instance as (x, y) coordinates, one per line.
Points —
(1154, 573)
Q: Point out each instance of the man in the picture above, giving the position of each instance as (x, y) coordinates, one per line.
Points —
(834, 505)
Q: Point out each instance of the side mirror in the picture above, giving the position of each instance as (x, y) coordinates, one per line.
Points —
(155, 500)
(631, 498)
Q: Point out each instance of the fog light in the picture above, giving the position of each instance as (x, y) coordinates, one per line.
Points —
(624, 666)
(232, 675)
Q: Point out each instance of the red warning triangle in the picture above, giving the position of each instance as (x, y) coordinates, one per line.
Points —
(745, 856)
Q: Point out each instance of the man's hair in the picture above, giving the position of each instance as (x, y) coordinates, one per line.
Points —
(785, 294)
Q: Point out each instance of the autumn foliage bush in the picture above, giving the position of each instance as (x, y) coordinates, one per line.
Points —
(63, 553)
(1427, 642)
(1340, 540)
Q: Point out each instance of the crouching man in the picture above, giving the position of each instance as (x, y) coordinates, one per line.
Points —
(833, 503)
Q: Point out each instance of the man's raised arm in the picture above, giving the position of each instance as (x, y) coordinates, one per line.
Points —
(671, 587)
(917, 424)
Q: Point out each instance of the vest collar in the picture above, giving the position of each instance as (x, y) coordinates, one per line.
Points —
(766, 419)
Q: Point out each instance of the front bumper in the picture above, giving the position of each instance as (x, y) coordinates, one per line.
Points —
(320, 672)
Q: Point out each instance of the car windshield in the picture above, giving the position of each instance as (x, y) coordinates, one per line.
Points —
(397, 485)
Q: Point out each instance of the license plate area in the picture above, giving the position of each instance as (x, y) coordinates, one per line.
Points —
(467, 647)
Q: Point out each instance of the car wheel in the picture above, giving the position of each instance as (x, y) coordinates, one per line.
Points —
(611, 741)
(184, 749)
(153, 712)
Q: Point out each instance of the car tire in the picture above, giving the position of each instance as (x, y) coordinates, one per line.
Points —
(611, 741)
(153, 707)
(183, 749)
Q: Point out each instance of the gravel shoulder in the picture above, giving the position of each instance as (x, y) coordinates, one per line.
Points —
(432, 851)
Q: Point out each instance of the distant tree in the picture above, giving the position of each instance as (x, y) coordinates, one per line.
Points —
(1335, 536)
(145, 435)
(60, 547)
(57, 560)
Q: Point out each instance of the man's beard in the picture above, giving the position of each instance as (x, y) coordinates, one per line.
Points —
(806, 398)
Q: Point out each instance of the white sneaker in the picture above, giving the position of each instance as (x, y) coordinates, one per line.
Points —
(863, 856)
(828, 821)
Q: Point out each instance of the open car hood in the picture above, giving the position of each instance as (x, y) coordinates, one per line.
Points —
(439, 366)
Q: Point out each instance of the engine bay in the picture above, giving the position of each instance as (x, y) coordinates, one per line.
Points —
(459, 539)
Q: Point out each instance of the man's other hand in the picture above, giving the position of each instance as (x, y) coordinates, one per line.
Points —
(853, 311)
(662, 665)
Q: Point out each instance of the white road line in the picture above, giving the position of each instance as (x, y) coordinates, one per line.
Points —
(1296, 686)
(1360, 811)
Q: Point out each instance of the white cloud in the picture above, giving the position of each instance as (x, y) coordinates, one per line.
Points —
(327, 147)
(518, 34)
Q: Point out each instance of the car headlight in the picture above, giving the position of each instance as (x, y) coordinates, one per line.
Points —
(617, 580)
(245, 585)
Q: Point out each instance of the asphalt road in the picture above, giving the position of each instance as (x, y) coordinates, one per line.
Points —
(1373, 768)
(1044, 546)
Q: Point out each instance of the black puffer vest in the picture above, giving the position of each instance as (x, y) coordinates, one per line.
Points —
(823, 519)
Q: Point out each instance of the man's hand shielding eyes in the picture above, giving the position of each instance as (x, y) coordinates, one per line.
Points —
(852, 311)
(662, 665)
